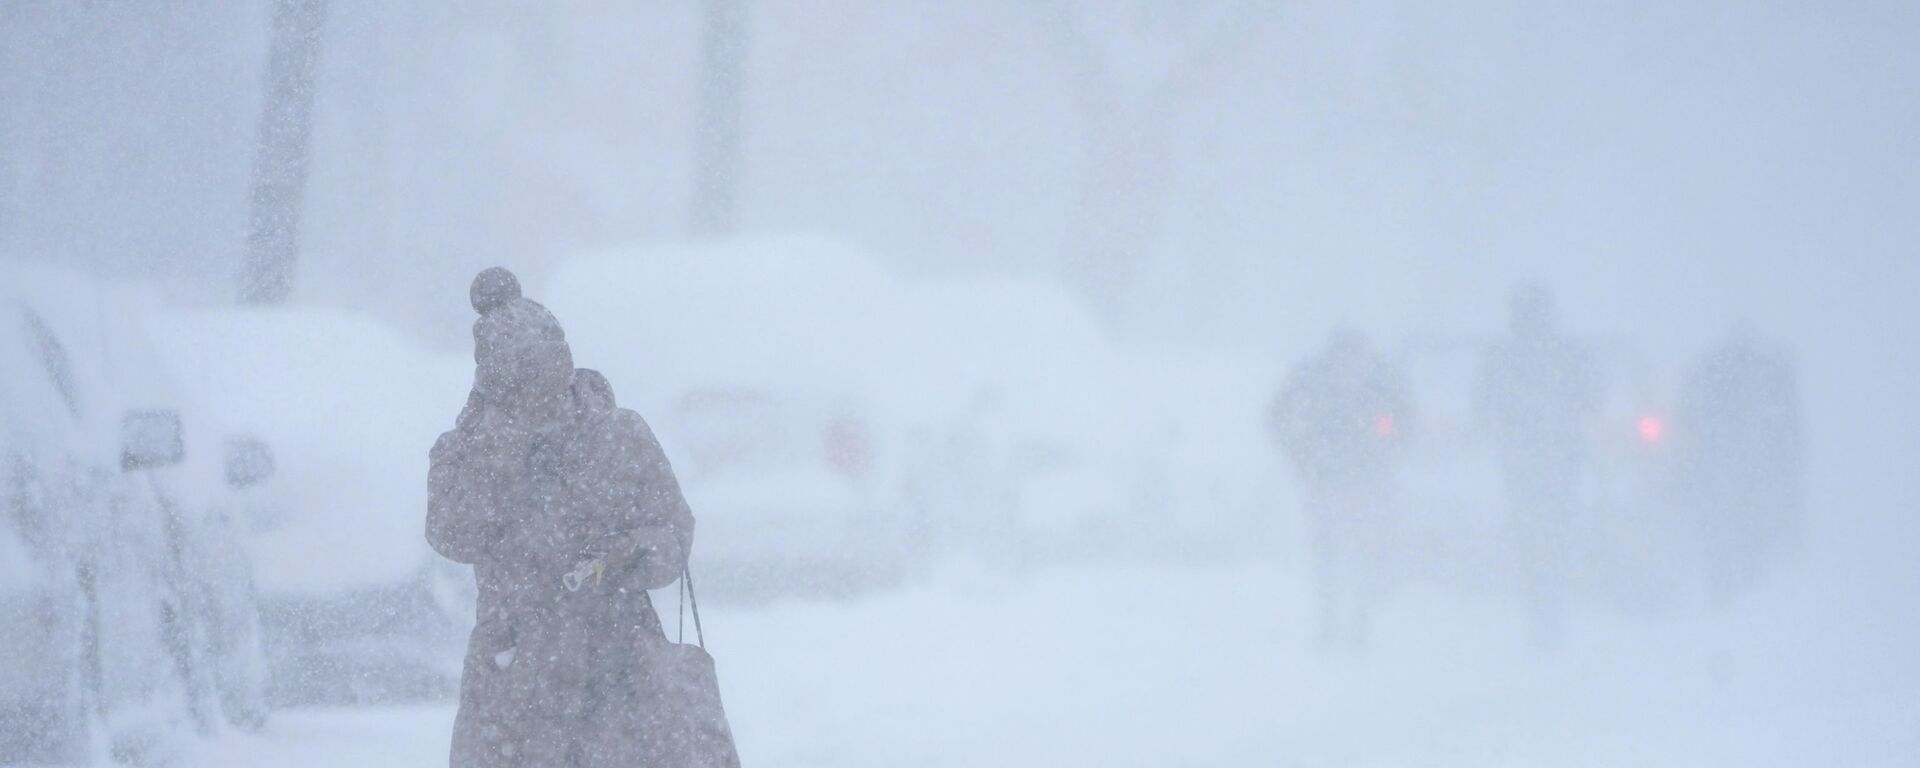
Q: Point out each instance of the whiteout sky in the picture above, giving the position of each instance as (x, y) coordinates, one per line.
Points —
(1669, 168)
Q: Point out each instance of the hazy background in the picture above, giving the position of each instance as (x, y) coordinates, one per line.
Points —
(1668, 167)
(1249, 175)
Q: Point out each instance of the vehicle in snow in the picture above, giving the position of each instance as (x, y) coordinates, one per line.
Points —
(127, 613)
(355, 606)
(1033, 438)
(1036, 445)
(991, 415)
(757, 363)
(785, 481)
(1196, 465)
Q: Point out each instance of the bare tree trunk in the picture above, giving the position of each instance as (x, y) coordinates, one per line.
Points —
(716, 160)
(281, 153)
(1124, 186)
(1128, 176)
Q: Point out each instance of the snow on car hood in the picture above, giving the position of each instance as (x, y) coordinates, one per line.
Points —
(350, 409)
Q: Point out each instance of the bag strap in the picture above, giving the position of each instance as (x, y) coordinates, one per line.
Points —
(687, 596)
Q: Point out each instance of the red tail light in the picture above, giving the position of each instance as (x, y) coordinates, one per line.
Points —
(1651, 429)
(1383, 425)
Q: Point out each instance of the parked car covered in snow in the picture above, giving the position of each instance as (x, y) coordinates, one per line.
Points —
(355, 606)
(787, 479)
(1038, 437)
(758, 365)
(989, 415)
(127, 614)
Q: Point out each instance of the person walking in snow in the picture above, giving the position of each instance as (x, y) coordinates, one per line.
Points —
(1537, 391)
(1338, 419)
(568, 510)
(1742, 473)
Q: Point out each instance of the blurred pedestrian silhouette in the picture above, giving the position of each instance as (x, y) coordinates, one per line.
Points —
(1536, 391)
(1741, 459)
(1338, 418)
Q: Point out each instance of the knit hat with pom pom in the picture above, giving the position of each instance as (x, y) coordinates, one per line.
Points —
(517, 343)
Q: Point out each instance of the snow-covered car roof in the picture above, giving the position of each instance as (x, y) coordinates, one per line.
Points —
(812, 315)
(350, 408)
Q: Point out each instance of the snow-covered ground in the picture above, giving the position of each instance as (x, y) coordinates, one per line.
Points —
(1164, 665)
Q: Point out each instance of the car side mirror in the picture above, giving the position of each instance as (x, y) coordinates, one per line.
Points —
(249, 461)
(151, 438)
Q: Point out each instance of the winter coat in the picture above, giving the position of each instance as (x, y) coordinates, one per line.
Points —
(556, 677)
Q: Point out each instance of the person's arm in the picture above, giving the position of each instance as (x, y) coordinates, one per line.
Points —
(459, 522)
(651, 524)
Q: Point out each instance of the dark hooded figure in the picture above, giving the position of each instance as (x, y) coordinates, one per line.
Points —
(1742, 460)
(568, 511)
(1537, 392)
(1338, 418)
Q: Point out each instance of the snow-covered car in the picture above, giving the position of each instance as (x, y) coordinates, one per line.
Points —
(1200, 471)
(1038, 439)
(995, 415)
(128, 616)
(786, 481)
(763, 368)
(355, 606)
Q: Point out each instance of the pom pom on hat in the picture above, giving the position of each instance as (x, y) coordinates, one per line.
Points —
(493, 287)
